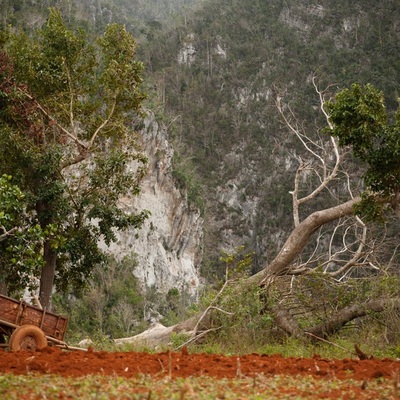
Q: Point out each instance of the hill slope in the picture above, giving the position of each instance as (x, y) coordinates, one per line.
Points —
(219, 75)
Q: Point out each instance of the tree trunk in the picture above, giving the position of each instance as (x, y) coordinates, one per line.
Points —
(284, 320)
(161, 335)
(47, 276)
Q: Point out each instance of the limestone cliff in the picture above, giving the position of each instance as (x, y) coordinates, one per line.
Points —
(168, 247)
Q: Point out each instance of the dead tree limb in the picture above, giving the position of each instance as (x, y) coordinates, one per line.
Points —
(342, 317)
(299, 238)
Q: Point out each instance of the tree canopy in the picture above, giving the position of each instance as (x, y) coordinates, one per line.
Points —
(68, 111)
(20, 238)
(361, 120)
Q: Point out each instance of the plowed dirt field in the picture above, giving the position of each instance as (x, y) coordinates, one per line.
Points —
(183, 364)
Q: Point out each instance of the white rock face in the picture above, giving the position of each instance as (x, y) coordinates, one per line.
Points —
(220, 51)
(168, 247)
(187, 54)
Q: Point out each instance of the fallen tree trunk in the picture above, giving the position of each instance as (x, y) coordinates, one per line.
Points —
(292, 248)
(348, 314)
(299, 238)
(156, 335)
(159, 334)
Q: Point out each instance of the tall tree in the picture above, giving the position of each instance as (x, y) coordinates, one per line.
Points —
(67, 136)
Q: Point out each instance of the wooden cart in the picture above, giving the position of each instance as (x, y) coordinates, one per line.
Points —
(25, 327)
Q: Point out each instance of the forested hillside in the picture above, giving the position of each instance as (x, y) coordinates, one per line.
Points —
(219, 75)
(141, 17)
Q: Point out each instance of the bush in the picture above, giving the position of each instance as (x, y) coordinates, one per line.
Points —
(111, 306)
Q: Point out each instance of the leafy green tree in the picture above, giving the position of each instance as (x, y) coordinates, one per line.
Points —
(11, 206)
(361, 120)
(20, 239)
(68, 108)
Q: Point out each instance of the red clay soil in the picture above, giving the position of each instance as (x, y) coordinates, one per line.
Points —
(183, 364)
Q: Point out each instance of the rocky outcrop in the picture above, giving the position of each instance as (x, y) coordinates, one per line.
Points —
(168, 247)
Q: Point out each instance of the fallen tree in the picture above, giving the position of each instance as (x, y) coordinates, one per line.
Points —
(356, 120)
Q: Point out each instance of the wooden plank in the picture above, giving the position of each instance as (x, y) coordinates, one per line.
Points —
(9, 309)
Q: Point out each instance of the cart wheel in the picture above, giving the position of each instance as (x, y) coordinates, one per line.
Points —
(27, 337)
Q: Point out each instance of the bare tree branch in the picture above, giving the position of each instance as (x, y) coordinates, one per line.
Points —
(327, 175)
(211, 306)
(300, 237)
(105, 122)
(71, 101)
(356, 256)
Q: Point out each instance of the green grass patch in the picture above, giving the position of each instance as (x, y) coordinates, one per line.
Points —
(13, 387)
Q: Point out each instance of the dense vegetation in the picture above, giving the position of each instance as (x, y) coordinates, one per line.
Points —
(224, 75)
(228, 131)
(248, 54)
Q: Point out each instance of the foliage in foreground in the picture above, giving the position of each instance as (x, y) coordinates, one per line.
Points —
(115, 305)
(145, 387)
(243, 317)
